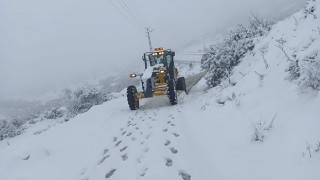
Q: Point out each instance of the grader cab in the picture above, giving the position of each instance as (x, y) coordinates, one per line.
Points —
(160, 78)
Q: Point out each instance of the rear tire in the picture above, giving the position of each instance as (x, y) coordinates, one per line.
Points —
(172, 93)
(133, 101)
(181, 84)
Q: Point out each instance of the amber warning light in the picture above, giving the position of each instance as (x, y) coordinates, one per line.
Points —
(158, 49)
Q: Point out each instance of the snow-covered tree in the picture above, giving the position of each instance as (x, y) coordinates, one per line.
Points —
(220, 59)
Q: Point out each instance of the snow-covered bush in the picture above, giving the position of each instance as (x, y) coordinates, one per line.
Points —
(220, 59)
(294, 70)
(310, 9)
(261, 128)
(10, 128)
(83, 99)
(54, 113)
(310, 73)
(312, 148)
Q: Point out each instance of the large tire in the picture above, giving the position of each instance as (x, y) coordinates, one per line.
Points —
(133, 101)
(172, 93)
(148, 93)
(181, 84)
(171, 70)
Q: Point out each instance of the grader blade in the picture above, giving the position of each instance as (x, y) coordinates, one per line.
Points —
(193, 80)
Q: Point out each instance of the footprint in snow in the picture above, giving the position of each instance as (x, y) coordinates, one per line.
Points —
(83, 171)
(124, 157)
(129, 134)
(110, 173)
(168, 162)
(173, 150)
(137, 128)
(103, 159)
(124, 133)
(184, 175)
(117, 144)
(27, 157)
(148, 136)
(139, 160)
(176, 135)
(168, 122)
(124, 148)
(143, 173)
(172, 124)
(165, 130)
(133, 138)
(105, 151)
(167, 143)
(146, 149)
(115, 139)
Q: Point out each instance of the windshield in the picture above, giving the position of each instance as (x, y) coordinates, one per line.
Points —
(156, 60)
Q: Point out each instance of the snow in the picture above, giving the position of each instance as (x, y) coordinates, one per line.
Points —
(210, 134)
(148, 72)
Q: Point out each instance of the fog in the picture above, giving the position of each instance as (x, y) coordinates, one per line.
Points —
(45, 44)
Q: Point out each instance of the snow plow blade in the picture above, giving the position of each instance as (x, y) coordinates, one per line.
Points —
(193, 80)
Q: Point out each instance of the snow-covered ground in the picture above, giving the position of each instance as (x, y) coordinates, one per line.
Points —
(262, 128)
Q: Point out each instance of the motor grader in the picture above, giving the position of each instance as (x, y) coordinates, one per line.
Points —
(160, 78)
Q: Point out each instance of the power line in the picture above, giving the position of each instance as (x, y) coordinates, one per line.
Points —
(129, 12)
(127, 6)
(126, 16)
(134, 8)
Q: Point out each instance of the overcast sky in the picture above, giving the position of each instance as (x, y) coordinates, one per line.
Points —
(54, 43)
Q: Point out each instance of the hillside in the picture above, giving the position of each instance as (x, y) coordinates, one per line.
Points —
(264, 125)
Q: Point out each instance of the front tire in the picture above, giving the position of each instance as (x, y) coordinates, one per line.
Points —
(172, 92)
(133, 101)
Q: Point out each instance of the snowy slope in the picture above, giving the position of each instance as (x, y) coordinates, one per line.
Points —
(261, 128)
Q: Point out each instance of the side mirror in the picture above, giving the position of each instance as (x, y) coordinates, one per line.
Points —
(173, 53)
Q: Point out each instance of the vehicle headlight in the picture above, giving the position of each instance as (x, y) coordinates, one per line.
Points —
(133, 75)
(162, 71)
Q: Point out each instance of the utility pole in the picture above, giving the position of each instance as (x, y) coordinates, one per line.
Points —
(148, 31)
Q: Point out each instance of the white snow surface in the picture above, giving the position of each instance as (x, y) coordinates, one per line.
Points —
(148, 72)
(208, 135)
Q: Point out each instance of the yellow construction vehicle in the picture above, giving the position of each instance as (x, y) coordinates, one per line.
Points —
(160, 78)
